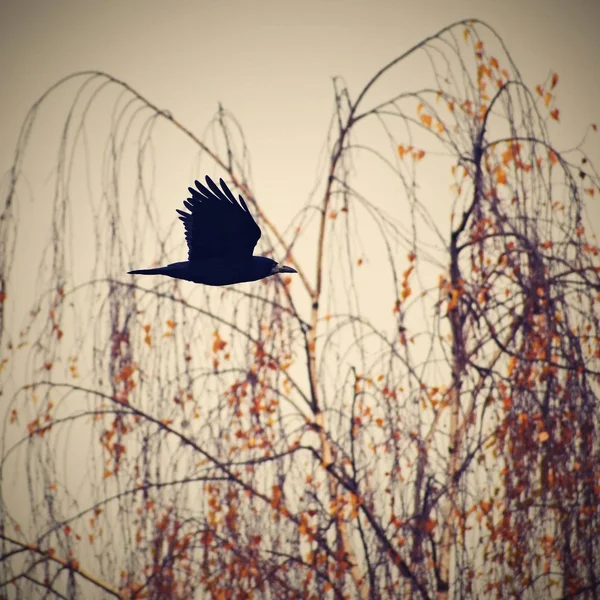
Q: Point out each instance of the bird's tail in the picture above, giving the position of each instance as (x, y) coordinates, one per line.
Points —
(156, 271)
(178, 270)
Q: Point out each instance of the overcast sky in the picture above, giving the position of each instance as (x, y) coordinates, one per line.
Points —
(267, 60)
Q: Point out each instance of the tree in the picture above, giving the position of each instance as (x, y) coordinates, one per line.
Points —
(417, 416)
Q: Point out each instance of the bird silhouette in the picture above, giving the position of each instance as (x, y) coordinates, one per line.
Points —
(221, 235)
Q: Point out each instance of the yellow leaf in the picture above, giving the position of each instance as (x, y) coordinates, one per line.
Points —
(547, 98)
(543, 436)
(426, 120)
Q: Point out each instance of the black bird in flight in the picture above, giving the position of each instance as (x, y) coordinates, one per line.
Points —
(221, 235)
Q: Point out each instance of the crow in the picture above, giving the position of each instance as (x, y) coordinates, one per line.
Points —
(221, 235)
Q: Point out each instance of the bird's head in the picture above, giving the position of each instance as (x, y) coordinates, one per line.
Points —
(277, 268)
(265, 267)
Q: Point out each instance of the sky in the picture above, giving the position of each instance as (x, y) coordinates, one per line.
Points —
(267, 61)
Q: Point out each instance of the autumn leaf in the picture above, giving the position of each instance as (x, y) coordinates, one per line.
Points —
(218, 342)
(426, 120)
(403, 150)
(554, 114)
(429, 525)
(554, 80)
(500, 174)
(455, 295)
(276, 497)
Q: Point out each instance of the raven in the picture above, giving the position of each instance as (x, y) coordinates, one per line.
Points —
(221, 235)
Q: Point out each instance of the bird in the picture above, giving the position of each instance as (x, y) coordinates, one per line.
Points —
(221, 235)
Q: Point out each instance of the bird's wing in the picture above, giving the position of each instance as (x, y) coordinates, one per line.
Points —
(217, 226)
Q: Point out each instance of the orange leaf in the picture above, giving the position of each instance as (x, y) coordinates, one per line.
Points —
(466, 34)
(547, 98)
(554, 80)
(426, 120)
(500, 175)
(543, 436)
(554, 114)
(276, 499)
(429, 525)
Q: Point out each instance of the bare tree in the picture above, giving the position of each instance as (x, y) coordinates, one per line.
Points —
(416, 416)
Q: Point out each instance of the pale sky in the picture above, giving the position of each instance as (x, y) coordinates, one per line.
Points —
(267, 60)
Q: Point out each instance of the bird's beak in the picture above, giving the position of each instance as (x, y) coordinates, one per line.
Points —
(282, 269)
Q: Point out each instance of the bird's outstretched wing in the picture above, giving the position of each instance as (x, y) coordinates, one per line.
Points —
(217, 226)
